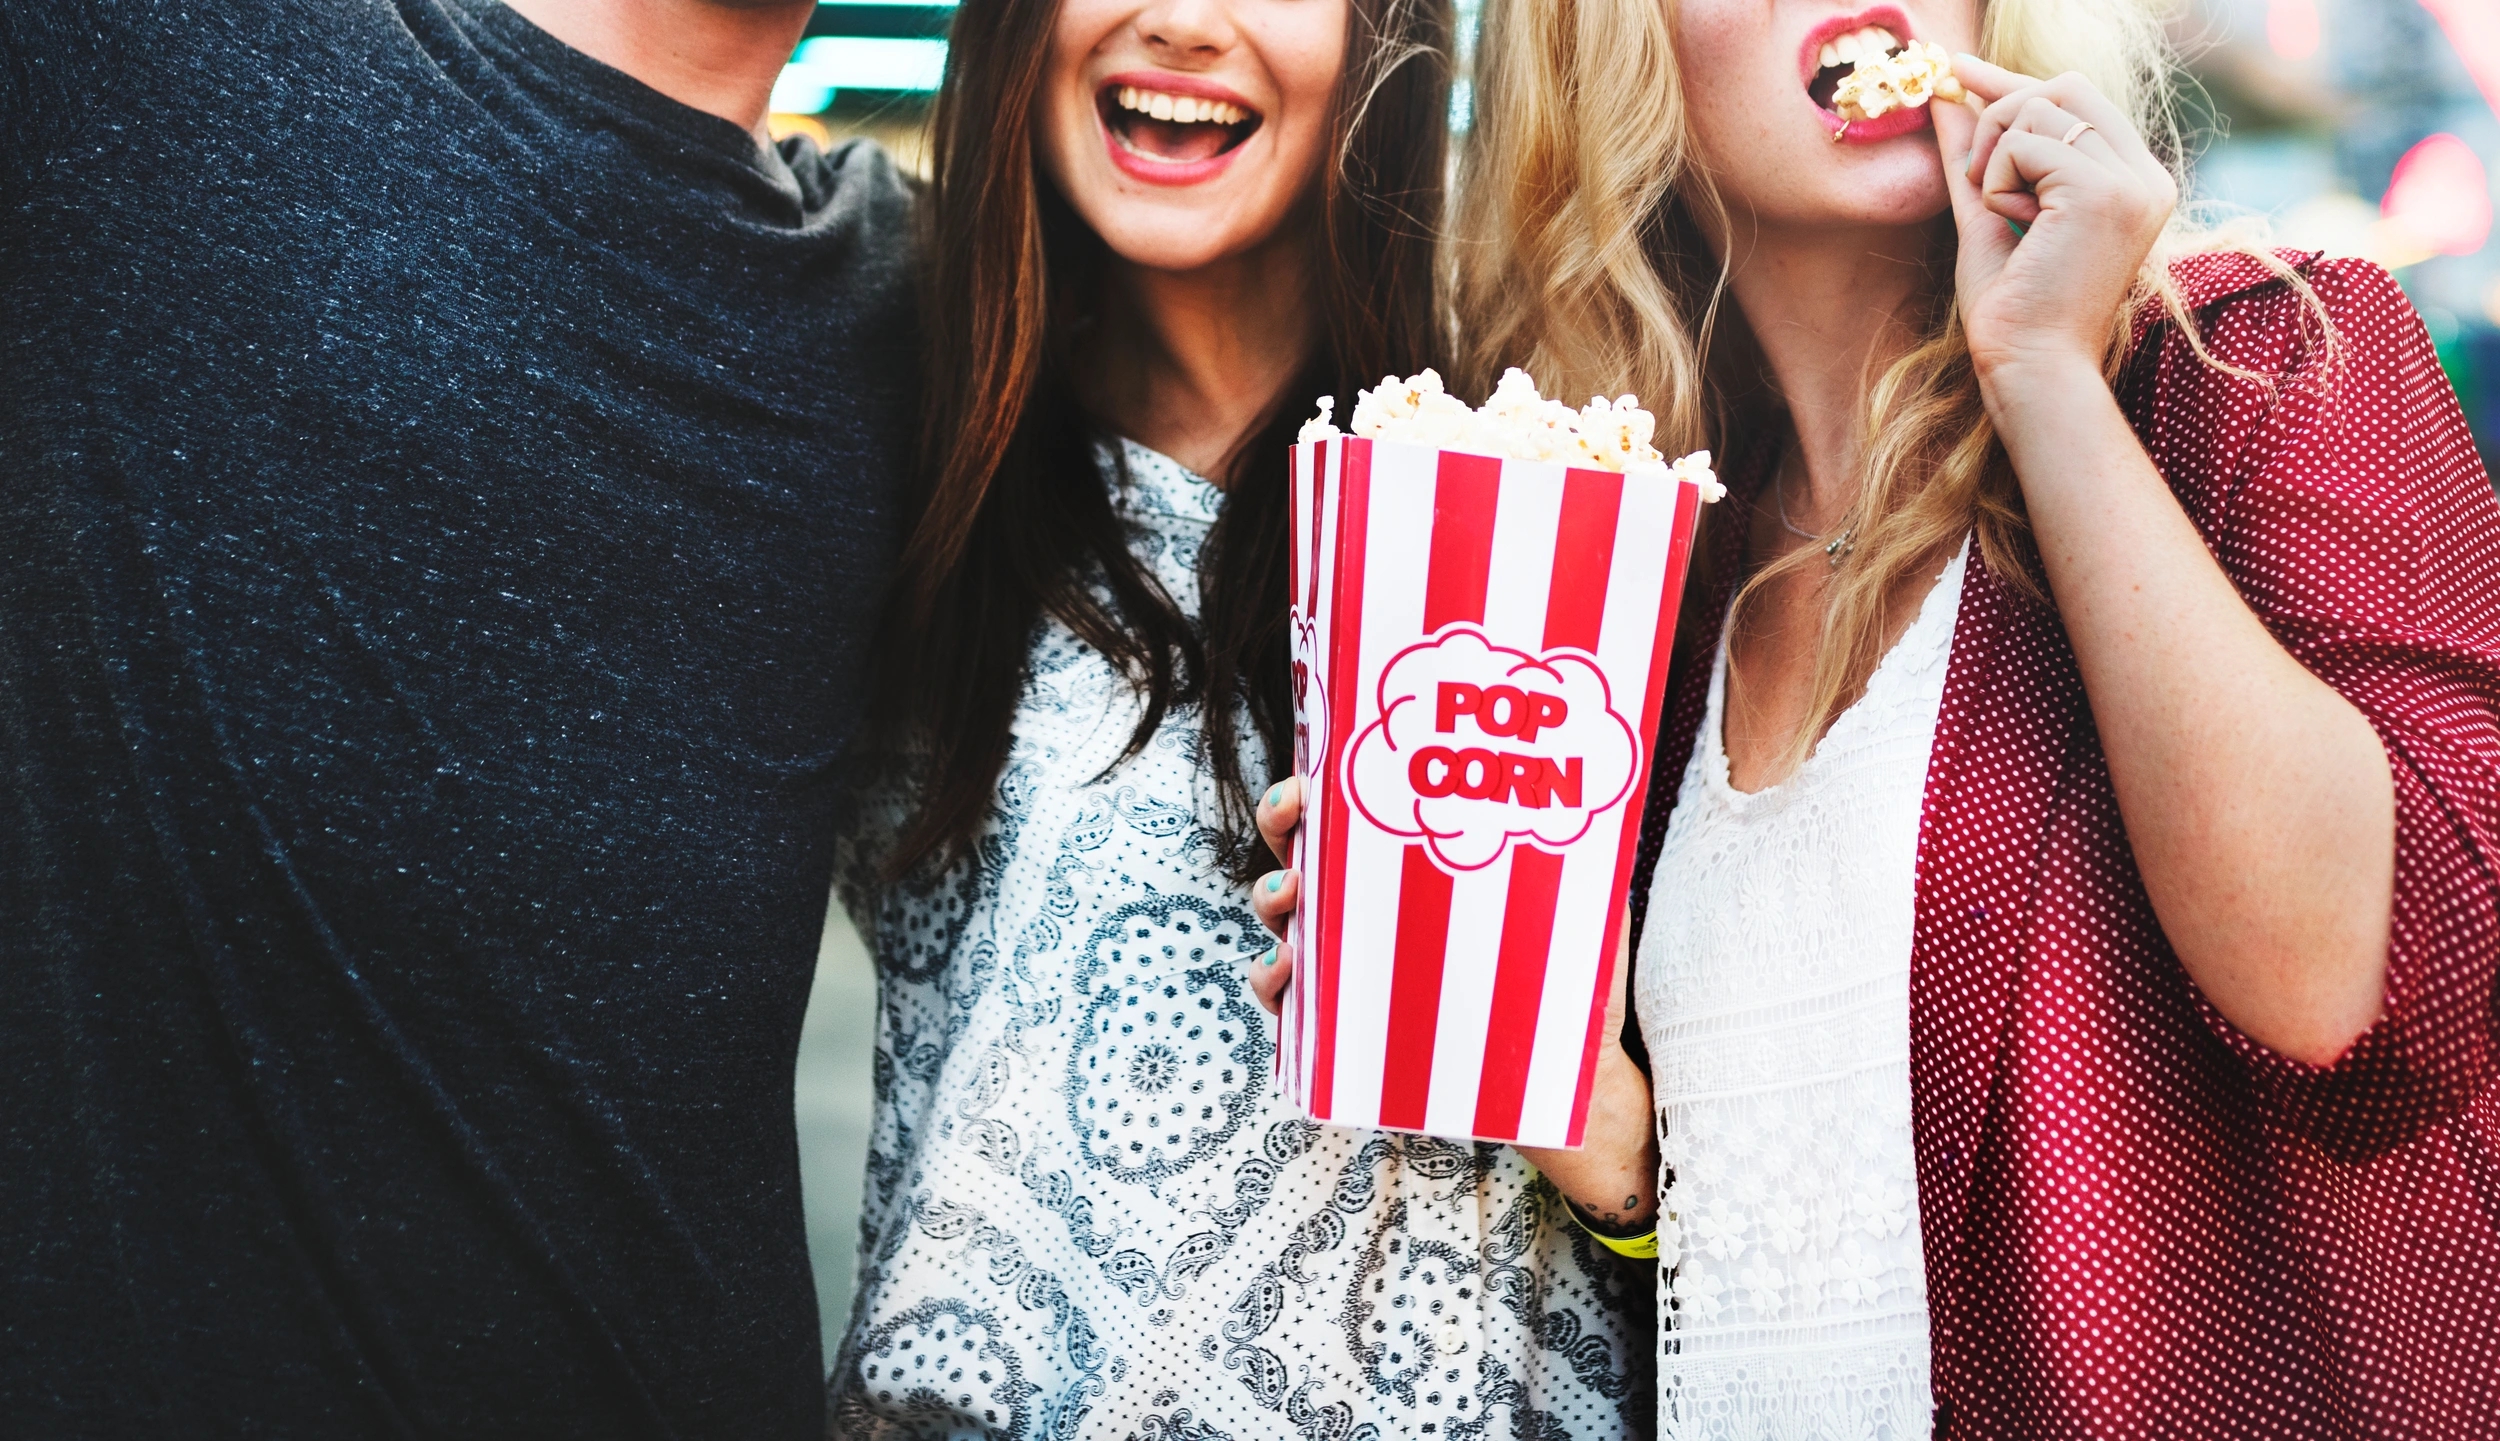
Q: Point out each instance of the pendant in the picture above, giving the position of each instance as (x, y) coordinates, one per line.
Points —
(1840, 547)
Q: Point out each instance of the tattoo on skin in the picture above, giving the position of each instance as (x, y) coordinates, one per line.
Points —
(1617, 1219)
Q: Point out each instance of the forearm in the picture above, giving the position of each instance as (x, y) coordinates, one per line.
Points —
(2257, 799)
(1613, 1177)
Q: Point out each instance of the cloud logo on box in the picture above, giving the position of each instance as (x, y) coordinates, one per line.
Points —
(1479, 745)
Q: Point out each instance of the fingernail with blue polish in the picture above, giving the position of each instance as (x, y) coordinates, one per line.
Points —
(1275, 881)
(1275, 793)
(1270, 958)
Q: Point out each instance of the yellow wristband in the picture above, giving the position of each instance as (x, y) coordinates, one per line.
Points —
(1643, 1247)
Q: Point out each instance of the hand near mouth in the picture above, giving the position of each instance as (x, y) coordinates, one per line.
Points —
(2058, 159)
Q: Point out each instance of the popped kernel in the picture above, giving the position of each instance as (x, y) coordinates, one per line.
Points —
(1517, 422)
(1903, 80)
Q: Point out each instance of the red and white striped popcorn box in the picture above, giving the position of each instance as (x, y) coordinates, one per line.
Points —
(1479, 654)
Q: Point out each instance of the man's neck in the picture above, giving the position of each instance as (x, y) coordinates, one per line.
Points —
(717, 56)
(1829, 310)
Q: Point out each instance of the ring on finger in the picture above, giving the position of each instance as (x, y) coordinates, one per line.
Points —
(2076, 131)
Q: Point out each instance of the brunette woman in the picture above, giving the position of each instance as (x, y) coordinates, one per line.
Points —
(1156, 232)
(2073, 879)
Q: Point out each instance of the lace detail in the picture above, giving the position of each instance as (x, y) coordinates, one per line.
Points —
(1774, 994)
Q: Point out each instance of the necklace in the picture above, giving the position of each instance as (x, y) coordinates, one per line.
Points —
(1837, 548)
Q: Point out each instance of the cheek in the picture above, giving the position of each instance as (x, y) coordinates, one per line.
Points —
(1063, 121)
(1726, 61)
(1954, 24)
(1060, 129)
(1304, 54)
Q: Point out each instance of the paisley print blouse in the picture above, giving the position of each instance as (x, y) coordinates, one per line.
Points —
(1088, 1210)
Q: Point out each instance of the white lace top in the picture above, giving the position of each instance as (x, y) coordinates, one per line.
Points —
(1773, 990)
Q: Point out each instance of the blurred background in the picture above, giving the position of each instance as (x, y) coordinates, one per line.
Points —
(2357, 127)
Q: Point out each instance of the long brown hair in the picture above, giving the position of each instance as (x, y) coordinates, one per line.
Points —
(1016, 521)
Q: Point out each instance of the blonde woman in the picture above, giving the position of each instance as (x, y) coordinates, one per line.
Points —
(2071, 911)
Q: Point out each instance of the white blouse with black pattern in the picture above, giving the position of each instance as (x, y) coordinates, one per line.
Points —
(1090, 1213)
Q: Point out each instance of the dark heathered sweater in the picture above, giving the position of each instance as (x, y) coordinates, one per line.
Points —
(444, 485)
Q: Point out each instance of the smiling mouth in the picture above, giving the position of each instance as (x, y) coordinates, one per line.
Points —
(1174, 129)
(1841, 54)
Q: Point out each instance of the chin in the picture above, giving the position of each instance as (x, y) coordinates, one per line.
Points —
(1892, 190)
(1176, 243)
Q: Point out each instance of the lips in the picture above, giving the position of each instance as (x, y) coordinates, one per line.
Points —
(1832, 48)
(1171, 129)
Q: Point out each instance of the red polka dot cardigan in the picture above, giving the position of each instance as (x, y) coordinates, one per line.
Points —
(2139, 1222)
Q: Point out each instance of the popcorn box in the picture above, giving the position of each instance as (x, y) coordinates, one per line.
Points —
(1479, 654)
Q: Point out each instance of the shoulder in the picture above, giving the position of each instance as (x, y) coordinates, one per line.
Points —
(860, 207)
(855, 185)
(2273, 315)
(2251, 344)
(2307, 404)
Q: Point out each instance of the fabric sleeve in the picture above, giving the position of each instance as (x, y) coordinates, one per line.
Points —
(57, 60)
(2359, 523)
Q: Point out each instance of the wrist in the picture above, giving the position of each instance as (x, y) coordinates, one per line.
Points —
(2026, 372)
(1636, 1216)
(1636, 1241)
(2046, 401)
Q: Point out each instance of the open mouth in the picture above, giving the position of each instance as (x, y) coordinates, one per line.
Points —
(1841, 53)
(1168, 127)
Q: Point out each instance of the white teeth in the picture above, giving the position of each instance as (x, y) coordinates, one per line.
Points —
(1845, 50)
(1827, 57)
(1180, 109)
(1879, 38)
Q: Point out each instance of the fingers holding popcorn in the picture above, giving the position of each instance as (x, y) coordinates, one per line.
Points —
(2022, 156)
(2086, 200)
(2051, 108)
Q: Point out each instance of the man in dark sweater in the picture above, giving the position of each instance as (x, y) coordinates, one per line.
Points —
(447, 466)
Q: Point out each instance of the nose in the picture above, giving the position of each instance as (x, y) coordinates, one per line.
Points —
(1185, 32)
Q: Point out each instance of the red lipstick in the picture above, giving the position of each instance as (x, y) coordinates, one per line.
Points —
(1859, 132)
(1153, 169)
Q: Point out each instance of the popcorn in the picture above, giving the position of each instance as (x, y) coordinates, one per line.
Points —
(1319, 427)
(1696, 468)
(1903, 80)
(1516, 422)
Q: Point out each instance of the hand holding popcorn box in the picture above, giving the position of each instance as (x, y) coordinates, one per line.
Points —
(1483, 606)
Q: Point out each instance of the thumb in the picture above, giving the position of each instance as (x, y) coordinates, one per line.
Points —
(1985, 238)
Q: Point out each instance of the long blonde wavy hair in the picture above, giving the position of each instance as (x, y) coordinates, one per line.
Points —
(1583, 253)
